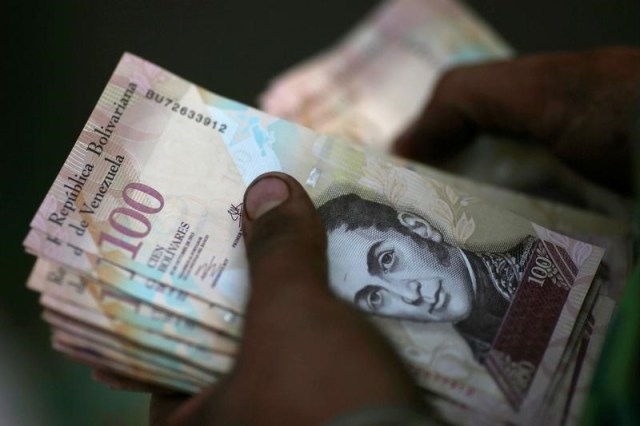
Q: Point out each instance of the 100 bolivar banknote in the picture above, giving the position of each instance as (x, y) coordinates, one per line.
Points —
(154, 186)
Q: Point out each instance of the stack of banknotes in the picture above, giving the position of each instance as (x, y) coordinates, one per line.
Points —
(141, 264)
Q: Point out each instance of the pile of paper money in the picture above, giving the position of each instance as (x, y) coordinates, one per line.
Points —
(370, 86)
(141, 264)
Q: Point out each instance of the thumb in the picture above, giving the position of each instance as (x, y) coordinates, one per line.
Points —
(285, 239)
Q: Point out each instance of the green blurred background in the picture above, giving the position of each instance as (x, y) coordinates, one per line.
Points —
(57, 57)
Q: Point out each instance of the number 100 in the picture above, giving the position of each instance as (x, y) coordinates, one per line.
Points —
(121, 219)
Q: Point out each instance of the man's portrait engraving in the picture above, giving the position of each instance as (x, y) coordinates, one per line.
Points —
(396, 264)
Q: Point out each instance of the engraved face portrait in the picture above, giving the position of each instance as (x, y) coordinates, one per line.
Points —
(394, 263)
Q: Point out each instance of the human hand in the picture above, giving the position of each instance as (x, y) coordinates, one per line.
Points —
(580, 105)
(306, 356)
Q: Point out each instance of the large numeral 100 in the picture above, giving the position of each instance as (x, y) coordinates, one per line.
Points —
(134, 214)
(540, 270)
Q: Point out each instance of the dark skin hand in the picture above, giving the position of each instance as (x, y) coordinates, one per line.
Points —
(306, 356)
(580, 105)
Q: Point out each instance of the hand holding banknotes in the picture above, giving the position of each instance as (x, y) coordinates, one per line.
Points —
(306, 357)
(580, 105)
(153, 270)
(286, 367)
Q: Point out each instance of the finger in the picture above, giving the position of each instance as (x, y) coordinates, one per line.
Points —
(285, 239)
(163, 408)
(580, 105)
(176, 409)
(502, 97)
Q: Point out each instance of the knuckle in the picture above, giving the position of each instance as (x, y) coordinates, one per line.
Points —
(448, 82)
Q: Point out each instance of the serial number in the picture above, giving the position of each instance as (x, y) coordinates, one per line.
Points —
(186, 111)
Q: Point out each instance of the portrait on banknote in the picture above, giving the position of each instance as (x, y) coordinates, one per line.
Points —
(395, 263)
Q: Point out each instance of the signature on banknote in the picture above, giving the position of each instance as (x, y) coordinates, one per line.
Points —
(235, 212)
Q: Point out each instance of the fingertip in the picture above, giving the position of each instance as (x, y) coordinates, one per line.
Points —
(416, 144)
(438, 135)
(283, 233)
(404, 145)
(266, 192)
(284, 194)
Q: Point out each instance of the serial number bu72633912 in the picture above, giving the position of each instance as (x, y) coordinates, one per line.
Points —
(186, 111)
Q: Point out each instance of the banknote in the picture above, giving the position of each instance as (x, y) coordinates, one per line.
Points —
(566, 398)
(99, 357)
(563, 407)
(133, 284)
(169, 364)
(577, 385)
(210, 361)
(370, 85)
(170, 346)
(152, 189)
(117, 308)
(202, 358)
